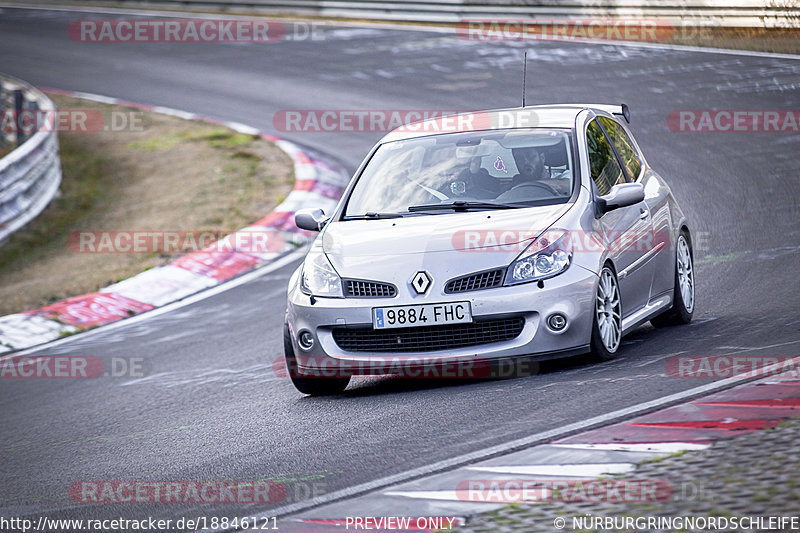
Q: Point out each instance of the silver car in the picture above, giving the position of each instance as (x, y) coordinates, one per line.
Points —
(504, 235)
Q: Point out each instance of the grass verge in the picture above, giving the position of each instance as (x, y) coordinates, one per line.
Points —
(165, 173)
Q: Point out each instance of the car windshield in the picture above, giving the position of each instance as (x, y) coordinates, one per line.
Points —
(460, 171)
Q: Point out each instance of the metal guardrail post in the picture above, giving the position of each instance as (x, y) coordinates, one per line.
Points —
(19, 100)
(2, 109)
(32, 107)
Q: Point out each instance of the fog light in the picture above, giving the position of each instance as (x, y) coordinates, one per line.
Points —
(305, 340)
(557, 322)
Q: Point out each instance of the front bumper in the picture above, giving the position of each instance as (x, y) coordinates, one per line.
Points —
(570, 293)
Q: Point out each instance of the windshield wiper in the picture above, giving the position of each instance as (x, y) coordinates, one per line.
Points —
(460, 205)
(371, 215)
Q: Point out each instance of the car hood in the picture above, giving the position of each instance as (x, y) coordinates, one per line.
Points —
(484, 239)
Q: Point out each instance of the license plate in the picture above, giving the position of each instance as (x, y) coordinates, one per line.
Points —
(407, 316)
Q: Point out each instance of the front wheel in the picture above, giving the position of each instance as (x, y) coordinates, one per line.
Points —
(683, 294)
(607, 322)
(311, 385)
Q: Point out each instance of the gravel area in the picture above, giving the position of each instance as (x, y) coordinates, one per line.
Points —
(753, 475)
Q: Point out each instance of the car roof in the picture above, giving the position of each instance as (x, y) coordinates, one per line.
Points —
(537, 116)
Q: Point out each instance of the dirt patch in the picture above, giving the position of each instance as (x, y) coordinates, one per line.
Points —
(164, 173)
(777, 40)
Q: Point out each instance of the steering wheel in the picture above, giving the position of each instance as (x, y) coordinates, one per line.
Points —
(546, 186)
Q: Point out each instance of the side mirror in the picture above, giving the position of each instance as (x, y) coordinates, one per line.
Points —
(621, 195)
(311, 219)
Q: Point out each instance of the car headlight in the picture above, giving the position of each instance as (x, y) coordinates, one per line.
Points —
(318, 277)
(547, 256)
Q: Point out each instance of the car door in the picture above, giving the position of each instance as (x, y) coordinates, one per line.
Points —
(657, 247)
(625, 231)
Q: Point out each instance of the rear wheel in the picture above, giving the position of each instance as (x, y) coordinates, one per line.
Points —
(683, 294)
(607, 322)
(311, 385)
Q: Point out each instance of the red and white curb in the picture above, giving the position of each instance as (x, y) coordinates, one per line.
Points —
(318, 183)
(552, 469)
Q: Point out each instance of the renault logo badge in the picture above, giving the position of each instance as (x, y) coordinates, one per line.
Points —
(421, 281)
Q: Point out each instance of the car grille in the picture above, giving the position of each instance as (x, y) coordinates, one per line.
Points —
(428, 338)
(476, 282)
(355, 288)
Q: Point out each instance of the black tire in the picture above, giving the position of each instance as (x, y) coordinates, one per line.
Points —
(599, 350)
(311, 385)
(679, 314)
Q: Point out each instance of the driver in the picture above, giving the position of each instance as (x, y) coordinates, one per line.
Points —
(533, 180)
(531, 169)
(530, 165)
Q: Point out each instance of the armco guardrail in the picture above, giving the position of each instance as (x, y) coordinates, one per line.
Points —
(728, 13)
(31, 173)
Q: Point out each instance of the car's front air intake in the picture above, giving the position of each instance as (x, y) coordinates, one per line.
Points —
(476, 282)
(428, 338)
(356, 288)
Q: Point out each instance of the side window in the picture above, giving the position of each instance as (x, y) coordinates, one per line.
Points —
(606, 171)
(624, 146)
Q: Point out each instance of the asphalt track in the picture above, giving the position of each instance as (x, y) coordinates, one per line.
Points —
(211, 408)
